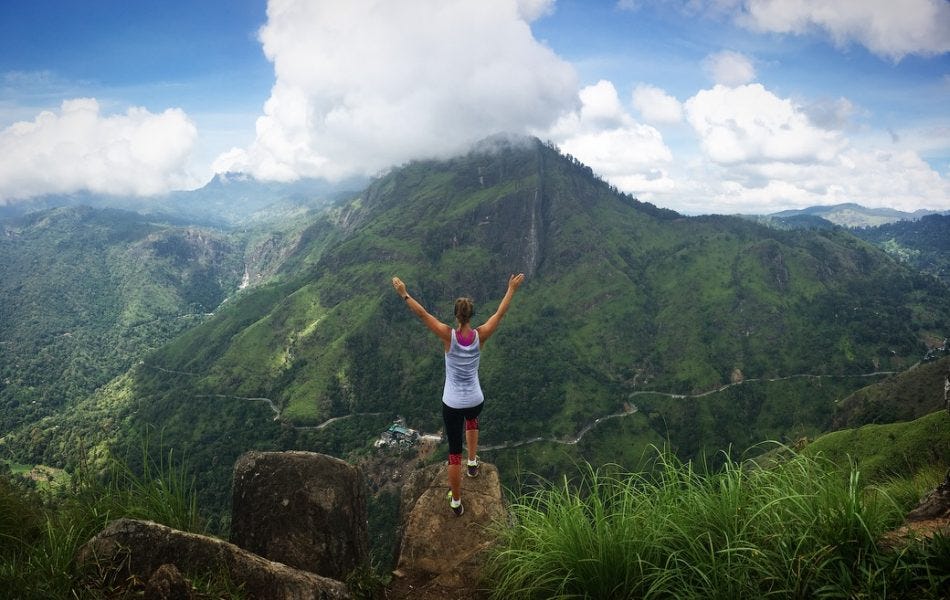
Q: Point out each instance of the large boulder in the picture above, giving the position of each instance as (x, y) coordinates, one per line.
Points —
(303, 509)
(139, 548)
(438, 549)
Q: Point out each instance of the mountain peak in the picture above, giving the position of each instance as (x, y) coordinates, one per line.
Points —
(229, 177)
(505, 141)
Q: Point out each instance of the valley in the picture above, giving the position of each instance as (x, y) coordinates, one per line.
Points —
(638, 327)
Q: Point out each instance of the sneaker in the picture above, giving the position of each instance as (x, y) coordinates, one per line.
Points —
(458, 509)
(473, 468)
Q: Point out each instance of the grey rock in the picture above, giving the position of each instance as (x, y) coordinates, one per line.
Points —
(303, 509)
(140, 548)
(935, 505)
(445, 549)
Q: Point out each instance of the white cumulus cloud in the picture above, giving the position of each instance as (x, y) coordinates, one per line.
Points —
(831, 114)
(729, 68)
(78, 148)
(656, 106)
(871, 177)
(365, 84)
(604, 136)
(750, 124)
(763, 153)
(887, 28)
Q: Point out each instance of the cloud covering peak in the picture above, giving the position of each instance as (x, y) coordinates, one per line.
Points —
(363, 85)
(733, 121)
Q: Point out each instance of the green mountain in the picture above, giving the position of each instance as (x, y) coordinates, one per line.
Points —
(795, 221)
(923, 244)
(920, 240)
(703, 331)
(629, 297)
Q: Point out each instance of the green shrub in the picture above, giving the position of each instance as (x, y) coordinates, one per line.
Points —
(21, 517)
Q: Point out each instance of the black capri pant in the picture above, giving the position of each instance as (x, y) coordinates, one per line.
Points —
(456, 421)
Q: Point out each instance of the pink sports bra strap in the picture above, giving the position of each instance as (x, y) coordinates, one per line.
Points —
(465, 341)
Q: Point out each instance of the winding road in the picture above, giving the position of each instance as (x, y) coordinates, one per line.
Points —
(514, 444)
(587, 428)
(268, 401)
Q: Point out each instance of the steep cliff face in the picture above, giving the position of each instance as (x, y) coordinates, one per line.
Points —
(484, 206)
(205, 266)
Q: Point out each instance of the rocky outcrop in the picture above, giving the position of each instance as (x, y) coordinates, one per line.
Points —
(931, 516)
(139, 548)
(309, 507)
(440, 550)
(935, 505)
(303, 509)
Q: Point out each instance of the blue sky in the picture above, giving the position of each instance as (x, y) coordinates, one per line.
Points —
(698, 105)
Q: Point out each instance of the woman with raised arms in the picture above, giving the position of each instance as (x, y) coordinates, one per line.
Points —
(462, 397)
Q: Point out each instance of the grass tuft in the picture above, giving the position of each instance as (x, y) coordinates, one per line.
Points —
(802, 529)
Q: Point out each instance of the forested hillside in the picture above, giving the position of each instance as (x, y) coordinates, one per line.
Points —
(85, 293)
(629, 297)
(923, 244)
(706, 331)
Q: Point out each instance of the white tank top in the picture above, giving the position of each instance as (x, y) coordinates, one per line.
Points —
(462, 389)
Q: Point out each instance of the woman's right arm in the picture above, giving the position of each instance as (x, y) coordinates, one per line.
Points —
(443, 331)
(486, 330)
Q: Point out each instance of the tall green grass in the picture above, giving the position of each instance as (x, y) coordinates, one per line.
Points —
(802, 529)
(41, 534)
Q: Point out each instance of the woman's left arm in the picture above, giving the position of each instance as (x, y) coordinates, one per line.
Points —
(443, 331)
